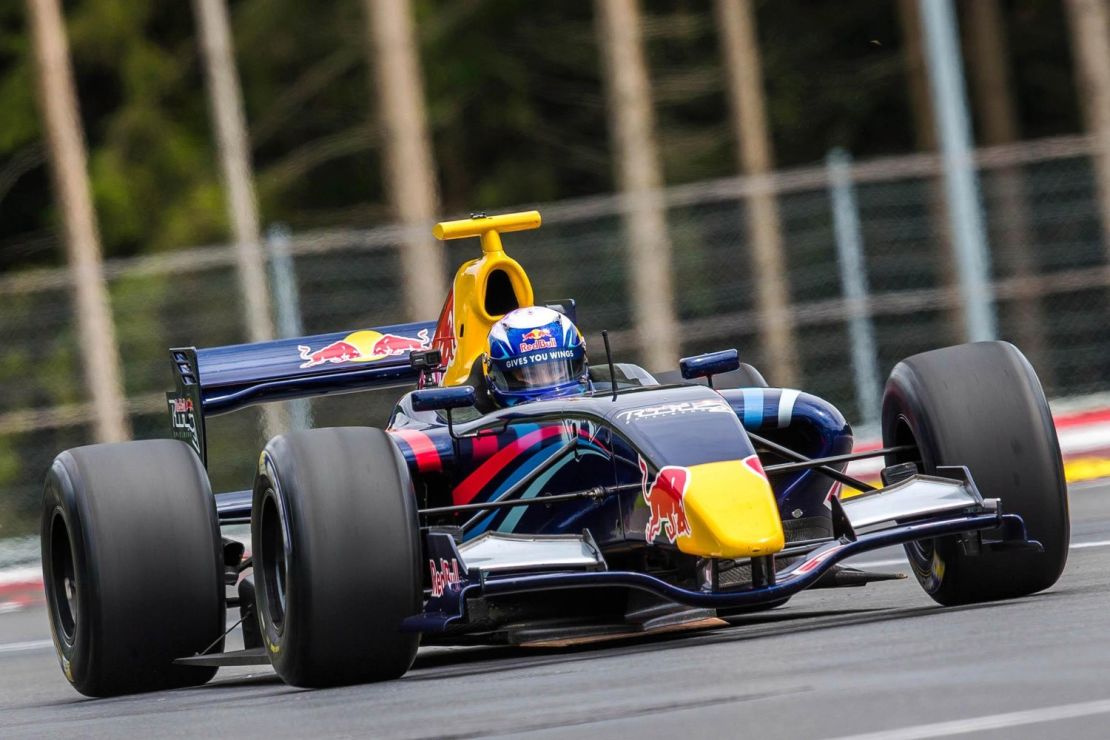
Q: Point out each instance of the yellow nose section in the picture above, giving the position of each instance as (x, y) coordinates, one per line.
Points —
(731, 512)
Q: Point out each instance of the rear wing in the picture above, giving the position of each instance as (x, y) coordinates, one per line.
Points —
(220, 380)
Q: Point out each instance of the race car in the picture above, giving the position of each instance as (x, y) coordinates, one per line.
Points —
(637, 506)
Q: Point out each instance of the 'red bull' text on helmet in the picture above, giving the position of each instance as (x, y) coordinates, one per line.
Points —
(535, 353)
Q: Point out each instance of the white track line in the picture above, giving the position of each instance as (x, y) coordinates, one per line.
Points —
(22, 647)
(989, 722)
(1084, 545)
(902, 561)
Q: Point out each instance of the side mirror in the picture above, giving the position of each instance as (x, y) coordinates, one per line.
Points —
(443, 399)
(709, 364)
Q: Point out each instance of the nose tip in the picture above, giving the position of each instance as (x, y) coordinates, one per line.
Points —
(732, 512)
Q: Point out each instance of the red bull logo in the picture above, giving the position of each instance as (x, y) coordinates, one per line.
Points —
(667, 513)
(443, 575)
(363, 346)
(539, 338)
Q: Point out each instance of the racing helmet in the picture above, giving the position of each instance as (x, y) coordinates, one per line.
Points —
(534, 353)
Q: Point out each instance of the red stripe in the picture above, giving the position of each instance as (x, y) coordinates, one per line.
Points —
(427, 456)
(484, 445)
(477, 480)
(1061, 421)
(1074, 419)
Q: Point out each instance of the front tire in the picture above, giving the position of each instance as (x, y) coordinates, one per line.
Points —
(336, 557)
(132, 565)
(981, 405)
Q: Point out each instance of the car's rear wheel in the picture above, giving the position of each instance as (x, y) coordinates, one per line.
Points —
(336, 556)
(132, 566)
(980, 405)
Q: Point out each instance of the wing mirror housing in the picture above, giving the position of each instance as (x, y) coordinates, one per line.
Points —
(709, 364)
(443, 399)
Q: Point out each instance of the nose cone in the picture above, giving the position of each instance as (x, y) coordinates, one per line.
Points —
(731, 512)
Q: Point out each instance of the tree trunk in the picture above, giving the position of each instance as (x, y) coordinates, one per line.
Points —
(225, 101)
(1090, 26)
(99, 354)
(743, 68)
(410, 176)
(638, 177)
(997, 113)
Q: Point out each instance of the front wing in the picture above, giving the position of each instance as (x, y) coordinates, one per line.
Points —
(921, 507)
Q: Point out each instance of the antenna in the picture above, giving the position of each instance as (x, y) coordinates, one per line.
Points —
(609, 358)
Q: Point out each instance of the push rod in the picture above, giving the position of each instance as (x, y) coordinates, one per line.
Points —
(820, 466)
(815, 462)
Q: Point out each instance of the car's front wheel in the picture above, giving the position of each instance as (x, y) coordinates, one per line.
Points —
(980, 405)
(336, 548)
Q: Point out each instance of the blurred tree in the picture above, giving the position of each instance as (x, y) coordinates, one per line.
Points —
(996, 111)
(409, 167)
(1090, 24)
(515, 106)
(639, 180)
(68, 165)
(744, 72)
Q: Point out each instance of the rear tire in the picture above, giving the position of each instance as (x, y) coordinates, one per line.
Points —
(336, 557)
(132, 565)
(981, 405)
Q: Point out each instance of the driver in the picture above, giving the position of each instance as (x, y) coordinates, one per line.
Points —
(534, 353)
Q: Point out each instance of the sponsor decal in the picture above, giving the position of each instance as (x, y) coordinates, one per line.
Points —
(682, 408)
(667, 512)
(537, 339)
(183, 421)
(443, 575)
(536, 358)
(363, 346)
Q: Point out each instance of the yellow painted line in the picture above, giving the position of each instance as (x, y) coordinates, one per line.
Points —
(1082, 469)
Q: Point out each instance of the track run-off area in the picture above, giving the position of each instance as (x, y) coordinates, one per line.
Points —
(882, 661)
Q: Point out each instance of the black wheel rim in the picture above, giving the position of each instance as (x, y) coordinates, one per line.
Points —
(273, 560)
(65, 602)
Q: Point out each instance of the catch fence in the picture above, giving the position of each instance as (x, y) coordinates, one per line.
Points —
(1049, 270)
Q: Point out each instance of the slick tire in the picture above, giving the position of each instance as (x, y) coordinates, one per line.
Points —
(336, 557)
(981, 405)
(132, 564)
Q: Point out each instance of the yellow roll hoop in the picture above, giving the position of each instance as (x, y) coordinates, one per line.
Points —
(487, 227)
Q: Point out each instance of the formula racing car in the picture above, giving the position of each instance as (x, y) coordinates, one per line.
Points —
(637, 506)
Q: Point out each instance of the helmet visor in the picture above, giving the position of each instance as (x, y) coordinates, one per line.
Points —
(544, 374)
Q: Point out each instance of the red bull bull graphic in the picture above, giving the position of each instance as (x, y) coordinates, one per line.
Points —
(363, 346)
(667, 512)
(539, 338)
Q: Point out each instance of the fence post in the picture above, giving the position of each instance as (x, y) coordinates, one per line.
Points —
(287, 307)
(946, 82)
(853, 282)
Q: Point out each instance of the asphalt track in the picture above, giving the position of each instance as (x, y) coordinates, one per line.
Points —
(878, 662)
